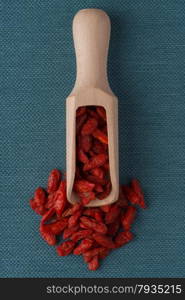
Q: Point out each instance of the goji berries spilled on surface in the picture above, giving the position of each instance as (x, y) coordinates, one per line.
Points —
(91, 232)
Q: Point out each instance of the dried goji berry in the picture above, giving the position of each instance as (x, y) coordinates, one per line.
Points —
(91, 253)
(101, 111)
(55, 227)
(40, 196)
(98, 188)
(53, 180)
(98, 172)
(80, 111)
(103, 240)
(47, 236)
(113, 214)
(137, 189)
(73, 220)
(83, 246)
(96, 161)
(100, 135)
(113, 228)
(98, 147)
(105, 208)
(82, 157)
(69, 231)
(87, 197)
(60, 199)
(48, 215)
(85, 142)
(123, 238)
(65, 248)
(89, 126)
(93, 265)
(93, 224)
(82, 186)
(81, 234)
(128, 217)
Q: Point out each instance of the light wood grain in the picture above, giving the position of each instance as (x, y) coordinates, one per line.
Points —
(91, 33)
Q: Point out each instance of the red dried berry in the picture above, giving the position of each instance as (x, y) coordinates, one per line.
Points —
(103, 240)
(85, 142)
(81, 234)
(94, 225)
(40, 196)
(89, 126)
(83, 186)
(69, 231)
(137, 189)
(73, 220)
(48, 236)
(60, 199)
(56, 227)
(93, 265)
(123, 238)
(85, 245)
(96, 161)
(65, 248)
(128, 217)
(80, 111)
(100, 135)
(82, 157)
(113, 214)
(53, 180)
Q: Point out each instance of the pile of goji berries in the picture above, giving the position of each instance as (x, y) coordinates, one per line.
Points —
(92, 165)
(90, 232)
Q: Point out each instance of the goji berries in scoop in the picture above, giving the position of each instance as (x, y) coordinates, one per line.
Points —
(91, 154)
(90, 232)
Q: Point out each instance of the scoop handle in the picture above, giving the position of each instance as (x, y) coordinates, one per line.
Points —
(91, 34)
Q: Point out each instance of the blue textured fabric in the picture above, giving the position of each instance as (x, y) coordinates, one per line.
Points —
(147, 73)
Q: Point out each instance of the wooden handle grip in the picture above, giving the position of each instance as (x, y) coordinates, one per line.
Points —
(91, 34)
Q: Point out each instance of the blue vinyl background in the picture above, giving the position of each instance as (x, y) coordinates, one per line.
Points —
(147, 73)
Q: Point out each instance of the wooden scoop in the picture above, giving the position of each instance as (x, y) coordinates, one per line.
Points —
(91, 33)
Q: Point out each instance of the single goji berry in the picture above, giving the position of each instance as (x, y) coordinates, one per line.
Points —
(137, 189)
(60, 199)
(40, 196)
(98, 172)
(55, 227)
(103, 240)
(85, 245)
(69, 231)
(89, 126)
(96, 161)
(123, 238)
(73, 220)
(81, 234)
(128, 217)
(85, 142)
(47, 236)
(98, 147)
(65, 248)
(82, 186)
(102, 112)
(100, 135)
(82, 157)
(93, 224)
(113, 228)
(113, 214)
(93, 265)
(80, 111)
(53, 180)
